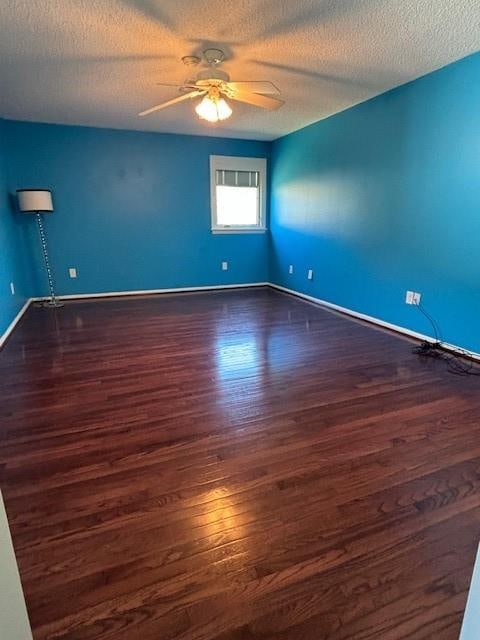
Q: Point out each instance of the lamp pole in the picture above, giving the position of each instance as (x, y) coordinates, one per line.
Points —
(53, 302)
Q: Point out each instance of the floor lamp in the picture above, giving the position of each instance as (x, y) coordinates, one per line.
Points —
(39, 201)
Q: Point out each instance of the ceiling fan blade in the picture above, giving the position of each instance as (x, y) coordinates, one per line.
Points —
(180, 87)
(168, 84)
(256, 86)
(264, 102)
(163, 105)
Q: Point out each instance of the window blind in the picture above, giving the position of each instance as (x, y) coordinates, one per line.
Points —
(228, 178)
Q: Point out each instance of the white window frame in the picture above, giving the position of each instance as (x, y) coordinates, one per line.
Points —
(236, 163)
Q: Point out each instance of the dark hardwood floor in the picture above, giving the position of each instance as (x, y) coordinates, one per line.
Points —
(234, 466)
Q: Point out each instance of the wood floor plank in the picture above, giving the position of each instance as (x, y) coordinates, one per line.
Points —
(235, 465)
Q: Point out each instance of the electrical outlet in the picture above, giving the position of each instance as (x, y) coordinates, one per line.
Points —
(310, 274)
(72, 272)
(224, 265)
(12, 288)
(290, 269)
(413, 297)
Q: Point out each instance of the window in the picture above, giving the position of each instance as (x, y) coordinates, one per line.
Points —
(238, 194)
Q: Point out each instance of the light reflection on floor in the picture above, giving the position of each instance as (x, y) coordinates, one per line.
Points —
(237, 357)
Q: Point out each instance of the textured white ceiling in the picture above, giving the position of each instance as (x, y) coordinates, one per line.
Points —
(96, 62)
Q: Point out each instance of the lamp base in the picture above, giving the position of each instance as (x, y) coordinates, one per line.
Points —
(50, 304)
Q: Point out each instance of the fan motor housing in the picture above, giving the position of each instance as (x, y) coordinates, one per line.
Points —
(213, 74)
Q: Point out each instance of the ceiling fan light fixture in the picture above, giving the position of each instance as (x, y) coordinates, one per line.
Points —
(223, 109)
(211, 84)
(213, 109)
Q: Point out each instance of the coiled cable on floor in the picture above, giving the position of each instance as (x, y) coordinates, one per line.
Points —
(460, 364)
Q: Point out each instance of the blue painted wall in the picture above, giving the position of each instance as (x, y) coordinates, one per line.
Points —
(12, 247)
(381, 198)
(385, 197)
(132, 209)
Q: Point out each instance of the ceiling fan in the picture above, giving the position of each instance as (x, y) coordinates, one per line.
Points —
(214, 86)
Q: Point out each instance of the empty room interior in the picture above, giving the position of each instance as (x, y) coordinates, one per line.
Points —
(239, 343)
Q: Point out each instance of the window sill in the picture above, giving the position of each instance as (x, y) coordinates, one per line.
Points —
(238, 230)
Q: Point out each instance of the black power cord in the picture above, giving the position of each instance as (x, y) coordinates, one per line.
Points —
(460, 365)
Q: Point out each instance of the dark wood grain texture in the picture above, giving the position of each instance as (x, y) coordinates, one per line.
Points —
(235, 465)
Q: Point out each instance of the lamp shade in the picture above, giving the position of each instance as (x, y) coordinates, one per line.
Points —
(35, 200)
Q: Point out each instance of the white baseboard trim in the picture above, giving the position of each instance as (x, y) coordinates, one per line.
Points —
(14, 322)
(330, 306)
(146, 292)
